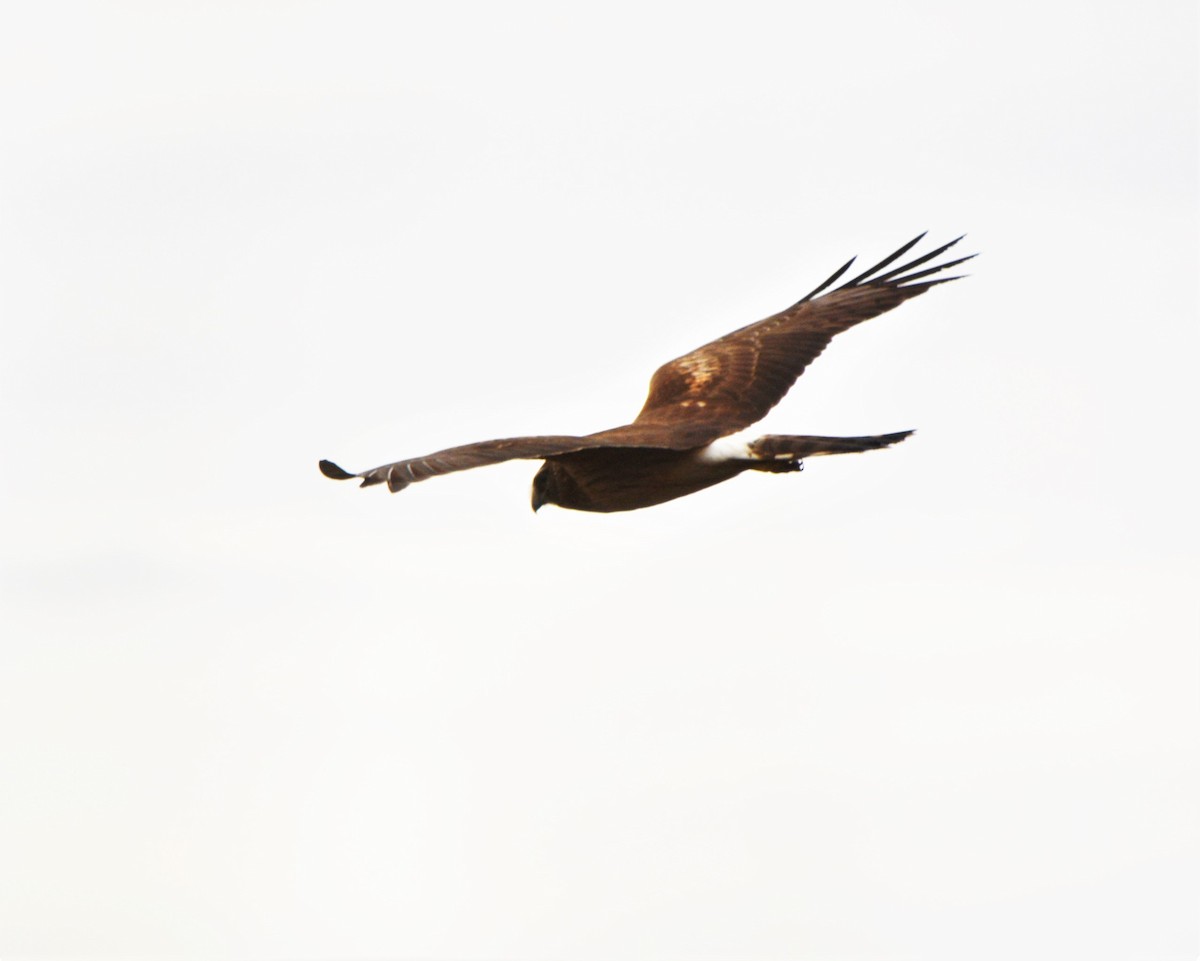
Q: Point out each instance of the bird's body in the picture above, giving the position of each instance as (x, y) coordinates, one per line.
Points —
(681, 440)
(610, 479)
(623, 479)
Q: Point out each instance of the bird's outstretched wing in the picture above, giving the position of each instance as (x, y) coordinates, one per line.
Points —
(731, 383)
(400, 474)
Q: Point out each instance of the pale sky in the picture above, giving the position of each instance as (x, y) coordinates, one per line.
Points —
(938, 701)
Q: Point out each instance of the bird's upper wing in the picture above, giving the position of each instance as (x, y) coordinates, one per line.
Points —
(731, 383)
(400, 474)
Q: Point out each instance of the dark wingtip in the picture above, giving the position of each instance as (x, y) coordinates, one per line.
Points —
(330, 469)
(889, 440)
(833, 277)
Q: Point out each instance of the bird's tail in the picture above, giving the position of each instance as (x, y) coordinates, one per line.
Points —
(782, 448)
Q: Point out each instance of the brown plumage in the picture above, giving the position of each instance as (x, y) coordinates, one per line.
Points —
(695, 400)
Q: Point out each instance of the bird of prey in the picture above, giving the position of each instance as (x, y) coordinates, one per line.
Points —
(681, 440)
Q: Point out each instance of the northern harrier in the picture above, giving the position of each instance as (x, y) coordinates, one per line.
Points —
(680, 441)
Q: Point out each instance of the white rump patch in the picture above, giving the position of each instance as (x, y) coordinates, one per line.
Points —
(725, 449)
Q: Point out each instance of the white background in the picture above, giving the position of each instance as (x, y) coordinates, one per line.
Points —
(933, 702)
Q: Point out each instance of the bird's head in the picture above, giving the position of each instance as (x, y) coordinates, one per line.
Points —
(544, 487)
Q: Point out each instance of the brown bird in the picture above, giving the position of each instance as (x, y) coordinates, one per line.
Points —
(680, 441)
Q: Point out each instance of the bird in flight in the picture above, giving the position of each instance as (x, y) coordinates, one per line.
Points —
(681, 440)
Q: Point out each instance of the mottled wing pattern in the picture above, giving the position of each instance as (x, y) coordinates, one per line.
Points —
(401, 473)
(731, 383)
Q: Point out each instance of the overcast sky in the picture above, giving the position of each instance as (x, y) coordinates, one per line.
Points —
(938, 701)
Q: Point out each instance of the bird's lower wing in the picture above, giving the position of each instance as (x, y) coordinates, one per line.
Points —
(401, 473)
